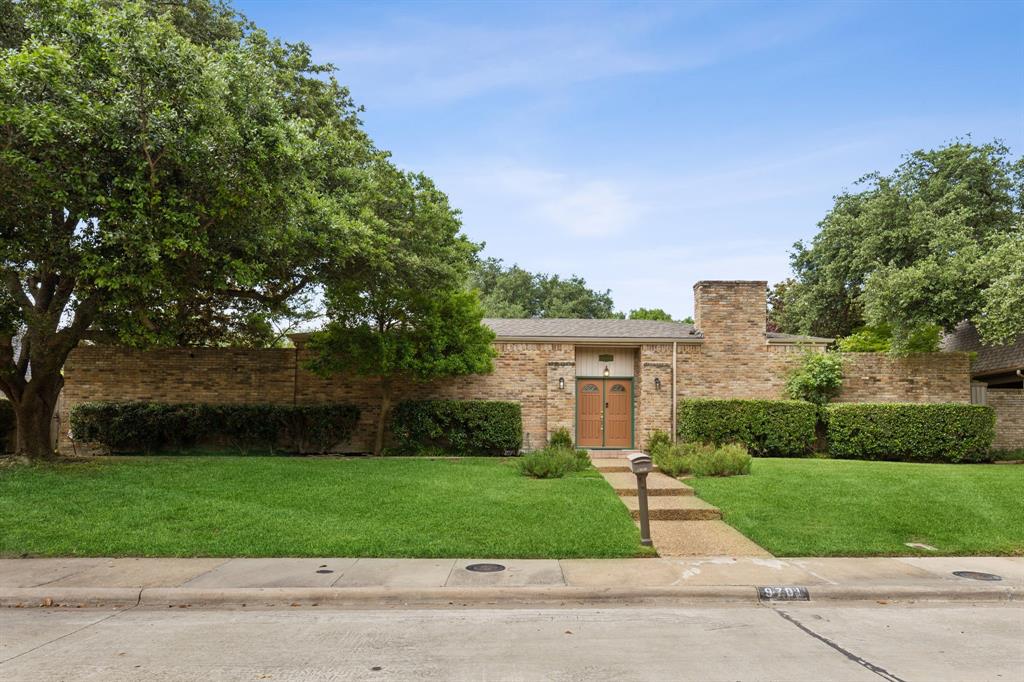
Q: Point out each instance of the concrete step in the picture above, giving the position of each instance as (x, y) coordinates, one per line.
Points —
(703, 539)
(674, 508)
(657, 484)
(611, 464)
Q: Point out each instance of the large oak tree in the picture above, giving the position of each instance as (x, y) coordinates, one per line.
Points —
(937, 241)
(169, 174)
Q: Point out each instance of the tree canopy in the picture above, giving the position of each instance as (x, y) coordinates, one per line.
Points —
(170, 174)
(511, 291)
(937, 241)
(649, 314)
(406, 315)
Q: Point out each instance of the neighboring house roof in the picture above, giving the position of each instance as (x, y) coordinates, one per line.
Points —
(989, 359)
(567, 329)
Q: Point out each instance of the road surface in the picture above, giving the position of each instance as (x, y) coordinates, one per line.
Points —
(961, 642)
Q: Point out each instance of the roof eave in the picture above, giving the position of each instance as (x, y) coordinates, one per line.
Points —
(594, 340)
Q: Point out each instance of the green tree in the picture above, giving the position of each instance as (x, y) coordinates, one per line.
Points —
(938, 241)
(407, 316)
(170, 174)
(817, 379)
(515, 292)
(649, 314)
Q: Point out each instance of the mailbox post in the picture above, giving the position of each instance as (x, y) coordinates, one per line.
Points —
(641, 465)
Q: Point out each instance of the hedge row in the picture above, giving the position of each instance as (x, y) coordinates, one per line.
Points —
(459, 427)
(765, 427)
(148, 427)
(8, 423)
(949, 432)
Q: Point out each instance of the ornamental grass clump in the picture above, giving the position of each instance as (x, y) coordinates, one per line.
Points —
(561, 438)
(553, 462)
(702, 459)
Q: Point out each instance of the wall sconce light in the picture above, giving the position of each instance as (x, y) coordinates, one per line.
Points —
(561, 383)
(657, 383)
(606, 372)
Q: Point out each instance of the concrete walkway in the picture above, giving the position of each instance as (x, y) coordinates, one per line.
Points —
(430, 582)
(681, 524)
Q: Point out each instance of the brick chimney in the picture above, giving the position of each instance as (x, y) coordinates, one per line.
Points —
(731, 313)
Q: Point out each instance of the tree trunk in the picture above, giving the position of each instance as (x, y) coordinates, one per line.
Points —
(382, 420)
(33, 409)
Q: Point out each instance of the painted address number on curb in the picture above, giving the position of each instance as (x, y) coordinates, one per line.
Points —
(783, 593)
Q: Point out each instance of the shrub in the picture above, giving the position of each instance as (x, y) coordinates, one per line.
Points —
(561, 438)
(949, 432)
(701, 459)
(148, 427)
(553, 462)
(727, 460)
(461, 427)
(8, 423)
(817, 379)
(658, 439)
(582, 459)
(765, 427)
(675, 460)
(880, 339)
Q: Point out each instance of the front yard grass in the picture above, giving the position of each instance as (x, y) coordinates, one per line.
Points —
(277, 506)
(821, 507)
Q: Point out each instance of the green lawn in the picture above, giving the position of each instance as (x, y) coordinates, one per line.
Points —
(277, 506)
(820, 507)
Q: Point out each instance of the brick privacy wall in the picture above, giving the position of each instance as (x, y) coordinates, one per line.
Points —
(734, 360)
(523, 372)
(919, 378)
(1008, 404)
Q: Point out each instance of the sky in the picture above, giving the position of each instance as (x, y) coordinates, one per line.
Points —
(646, 146)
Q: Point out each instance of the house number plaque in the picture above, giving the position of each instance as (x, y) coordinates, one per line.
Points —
(783, 593)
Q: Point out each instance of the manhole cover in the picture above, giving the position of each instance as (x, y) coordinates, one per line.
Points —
(976, 575)
(325, 570)
(485, 568)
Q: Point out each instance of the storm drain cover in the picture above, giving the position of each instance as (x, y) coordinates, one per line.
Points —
(325, 570)
(976, 575)
(485, 568)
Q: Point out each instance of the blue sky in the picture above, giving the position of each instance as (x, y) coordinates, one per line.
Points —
(647, 146)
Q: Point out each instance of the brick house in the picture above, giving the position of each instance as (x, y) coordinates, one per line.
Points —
(610, 382)
(997, 376)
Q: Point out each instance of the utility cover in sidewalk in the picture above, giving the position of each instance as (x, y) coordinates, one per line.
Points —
(485, 568)
(976, 575)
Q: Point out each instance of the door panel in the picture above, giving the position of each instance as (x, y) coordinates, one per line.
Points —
(604, 409)
(589, 404)
(618, 417)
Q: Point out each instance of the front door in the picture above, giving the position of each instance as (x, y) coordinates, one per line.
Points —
(604, 409)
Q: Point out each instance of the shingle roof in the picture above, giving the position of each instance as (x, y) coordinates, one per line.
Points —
(796, 338)
(621, 330)
(989, 359)
(566, 328)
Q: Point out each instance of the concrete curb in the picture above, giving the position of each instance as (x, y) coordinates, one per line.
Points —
(70, 597)
(479, 597)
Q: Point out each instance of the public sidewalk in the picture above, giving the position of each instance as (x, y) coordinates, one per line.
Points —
(372, 583)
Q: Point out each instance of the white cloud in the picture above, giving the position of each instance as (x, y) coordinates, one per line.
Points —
(421, 62)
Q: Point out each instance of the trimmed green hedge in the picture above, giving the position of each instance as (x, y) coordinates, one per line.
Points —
(460, 427)
(8, 424)
(149, 427)
(927, 432)
(765, 427)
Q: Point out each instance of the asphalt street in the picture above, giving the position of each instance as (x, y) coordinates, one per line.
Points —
(962, 642)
